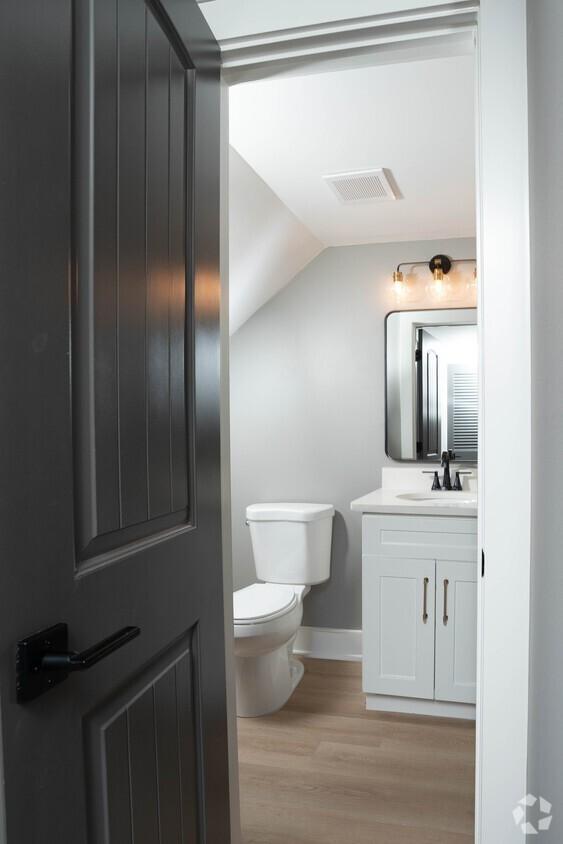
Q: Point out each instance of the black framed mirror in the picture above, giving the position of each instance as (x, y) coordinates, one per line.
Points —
(431, 384)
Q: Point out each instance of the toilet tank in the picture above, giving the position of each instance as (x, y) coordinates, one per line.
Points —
(291, 542)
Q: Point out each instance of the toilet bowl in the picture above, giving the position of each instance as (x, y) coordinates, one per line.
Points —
(267, 617)
(291, 545)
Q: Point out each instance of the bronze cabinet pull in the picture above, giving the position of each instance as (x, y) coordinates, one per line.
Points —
(445, 618)
(425, 601)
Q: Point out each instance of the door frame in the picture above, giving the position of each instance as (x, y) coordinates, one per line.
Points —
(499, 30)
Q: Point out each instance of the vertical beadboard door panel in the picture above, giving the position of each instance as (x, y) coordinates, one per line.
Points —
(180, 324)
(158, 279)
(398, 626)
(456, 631)
(117, 820)
(131, 312)
(133, 341)
(143, 754)
(95, 320)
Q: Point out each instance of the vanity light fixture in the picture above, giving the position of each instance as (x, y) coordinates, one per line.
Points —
(439, 266)
(472, 282)
(398, 283)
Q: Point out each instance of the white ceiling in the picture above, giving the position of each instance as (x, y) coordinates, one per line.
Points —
(233, 18)
(416, 119)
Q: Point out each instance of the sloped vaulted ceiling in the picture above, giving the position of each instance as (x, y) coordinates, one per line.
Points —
(268, 245)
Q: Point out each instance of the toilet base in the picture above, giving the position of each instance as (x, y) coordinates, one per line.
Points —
(297, 670)
(265, 683)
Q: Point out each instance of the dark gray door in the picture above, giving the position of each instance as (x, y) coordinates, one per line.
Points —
(109, 420)
(429, 416)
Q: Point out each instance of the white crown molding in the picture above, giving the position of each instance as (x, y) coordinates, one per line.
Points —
(339, 39)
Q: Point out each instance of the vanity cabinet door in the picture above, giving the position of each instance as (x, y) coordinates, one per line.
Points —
(456, 631)
(398, 626)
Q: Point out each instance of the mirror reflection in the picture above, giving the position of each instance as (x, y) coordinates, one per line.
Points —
(431, 384)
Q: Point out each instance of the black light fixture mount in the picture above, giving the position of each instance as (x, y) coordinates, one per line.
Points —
(440, 262)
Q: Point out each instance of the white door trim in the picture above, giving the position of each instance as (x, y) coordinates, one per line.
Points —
(234, 796)
(504, 301)
(503, 246)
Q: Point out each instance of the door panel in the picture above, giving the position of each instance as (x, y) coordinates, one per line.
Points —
(456, 631)
(111, 474)
(398, 626)
(131, 330)
(143, 755)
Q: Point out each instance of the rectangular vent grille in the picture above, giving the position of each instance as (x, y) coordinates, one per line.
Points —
(361, 186)
(463, 406)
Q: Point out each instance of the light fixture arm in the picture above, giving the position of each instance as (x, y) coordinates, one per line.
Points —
(432, 263)
(411, 264)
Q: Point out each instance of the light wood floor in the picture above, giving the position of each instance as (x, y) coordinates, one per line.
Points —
(325, 770)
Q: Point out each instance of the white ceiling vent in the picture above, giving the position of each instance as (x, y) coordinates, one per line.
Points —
(361, 185)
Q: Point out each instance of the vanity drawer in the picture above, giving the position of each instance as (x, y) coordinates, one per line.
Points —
(429, 537)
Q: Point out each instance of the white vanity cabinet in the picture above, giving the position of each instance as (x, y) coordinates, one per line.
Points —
(398, 626)
(456, 631)
(420, 613)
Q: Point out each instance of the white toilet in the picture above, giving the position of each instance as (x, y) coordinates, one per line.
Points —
(291, 544)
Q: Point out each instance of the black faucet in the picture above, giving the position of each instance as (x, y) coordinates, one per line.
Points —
(458, 484)
(446, 457)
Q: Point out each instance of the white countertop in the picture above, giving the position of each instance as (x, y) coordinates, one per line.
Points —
(426, 503)
(413, 483)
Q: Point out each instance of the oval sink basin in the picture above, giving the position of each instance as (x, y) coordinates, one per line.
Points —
(443, 498)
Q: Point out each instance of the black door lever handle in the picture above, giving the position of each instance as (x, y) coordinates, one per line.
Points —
(43, 660)
(71, 661)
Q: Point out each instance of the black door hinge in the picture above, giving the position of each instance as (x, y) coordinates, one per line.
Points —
(418, 355)
(482, 563)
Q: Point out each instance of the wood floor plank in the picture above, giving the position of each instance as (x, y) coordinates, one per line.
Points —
(264, 824)
(383, 764)
(358, 797)
(325, 770)
(416, 734)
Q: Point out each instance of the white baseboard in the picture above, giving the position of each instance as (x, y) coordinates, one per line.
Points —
(416, 706)
(329, 643)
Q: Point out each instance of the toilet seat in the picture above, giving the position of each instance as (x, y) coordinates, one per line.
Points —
(262, 602)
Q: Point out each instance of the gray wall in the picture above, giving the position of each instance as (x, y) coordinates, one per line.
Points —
(307, 403)
(545, 39)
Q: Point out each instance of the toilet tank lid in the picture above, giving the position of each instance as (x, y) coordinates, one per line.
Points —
(287, 511)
